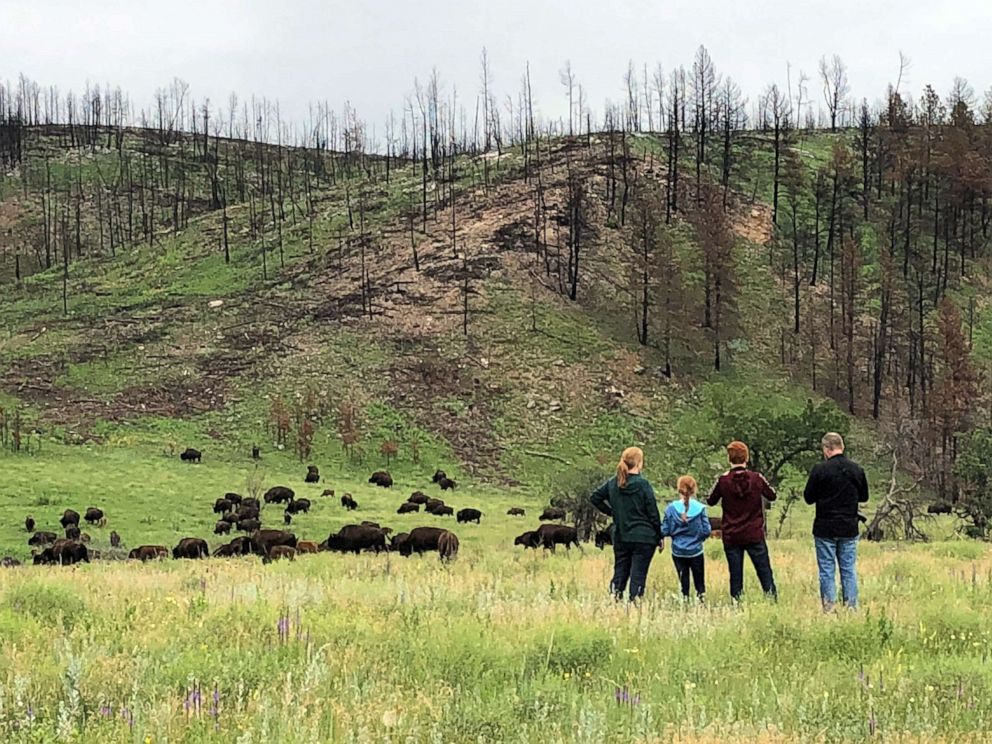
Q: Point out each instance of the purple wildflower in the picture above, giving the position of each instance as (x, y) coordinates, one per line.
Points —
(128, 716)
(106, 711)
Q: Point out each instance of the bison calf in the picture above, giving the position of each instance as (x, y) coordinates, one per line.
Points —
(516, 511)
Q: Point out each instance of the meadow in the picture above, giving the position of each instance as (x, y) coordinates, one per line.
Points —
(502, 645)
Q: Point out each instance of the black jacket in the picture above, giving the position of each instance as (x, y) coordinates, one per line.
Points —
(836, 486)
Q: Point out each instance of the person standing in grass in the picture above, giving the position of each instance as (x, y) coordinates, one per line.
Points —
(742, 493)
(688, 525)
(629, 499)
(836, 487)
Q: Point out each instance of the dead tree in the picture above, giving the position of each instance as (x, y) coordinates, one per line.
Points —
(896, 505)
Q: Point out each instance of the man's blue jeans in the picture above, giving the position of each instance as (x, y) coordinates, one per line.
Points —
(831, 554)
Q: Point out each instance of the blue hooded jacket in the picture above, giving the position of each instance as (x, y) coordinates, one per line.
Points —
(687, 537)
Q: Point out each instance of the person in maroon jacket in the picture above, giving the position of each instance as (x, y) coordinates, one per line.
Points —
(742, 492)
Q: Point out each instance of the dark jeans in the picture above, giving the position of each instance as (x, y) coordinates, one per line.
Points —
(631, 561)
(696, 566)
(758, 553)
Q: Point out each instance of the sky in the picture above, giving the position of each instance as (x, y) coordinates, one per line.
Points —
(367, 52)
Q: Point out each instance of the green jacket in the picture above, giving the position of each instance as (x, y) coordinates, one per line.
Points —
(633, 508)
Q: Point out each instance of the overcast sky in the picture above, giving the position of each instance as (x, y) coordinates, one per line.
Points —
(368, 52)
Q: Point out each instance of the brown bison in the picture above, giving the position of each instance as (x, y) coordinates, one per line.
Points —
(432, 503)
(42, 538)
(516, 511)
(469, 515)
(248, 525)
(313, 474)
(328, 492)
(191, 455)
(69, 517)
(382, 479)
(298, 506)
(250, 503)
(447, 484)
(222, 506)
(237, 546)
(262, 541)
(939, 508)
(277, 552)
(716, 527)
(604, 537)
(234, 498)
(115, 539)
(551, 535)
(149, 552)
(29, 524)
(230, 517)
(418, 497)
(354, 538)
(447, 546)
(191, 547)
(408, 508)
(63, 553)
(528, 539)
(279, 495)
(222, 528)
(396, 542)
(72, 532)
(287, 518)
(94, 516)
(246, 512)
(441, 511)
(348, 502)
(9, 562)
(438, 476)
(552, 513)
(306, 546)
(426, 539)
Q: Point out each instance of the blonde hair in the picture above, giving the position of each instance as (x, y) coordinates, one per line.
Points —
(832, 441)
(687, 489)
(631, 458)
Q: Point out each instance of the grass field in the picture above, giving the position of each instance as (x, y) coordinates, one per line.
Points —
(501, 645)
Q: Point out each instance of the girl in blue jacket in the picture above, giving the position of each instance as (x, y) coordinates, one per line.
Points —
(686, 523)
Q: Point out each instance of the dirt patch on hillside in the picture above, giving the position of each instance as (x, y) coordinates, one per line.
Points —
(754, 223)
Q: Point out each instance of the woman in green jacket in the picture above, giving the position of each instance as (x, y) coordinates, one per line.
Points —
(629, 499)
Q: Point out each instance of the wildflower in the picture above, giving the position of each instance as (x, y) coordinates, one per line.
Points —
(106, 711)
(588, 675)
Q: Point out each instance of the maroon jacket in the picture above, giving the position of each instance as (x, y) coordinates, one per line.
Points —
(741, 491)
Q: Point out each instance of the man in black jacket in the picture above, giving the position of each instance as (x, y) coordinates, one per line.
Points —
(836, 486)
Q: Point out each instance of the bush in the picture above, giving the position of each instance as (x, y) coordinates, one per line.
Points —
(572, 495)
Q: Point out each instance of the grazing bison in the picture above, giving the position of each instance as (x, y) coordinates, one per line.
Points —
(149, 552)
(306, 546)
(262, 541)
(604, 537)
(328, 492)
(386, 530)
(72, 532)
(42, 538)
(432, 504)
(313, 474)
(115, 539)
(287, 518)
(552, 513)
(438, 475)
(279, 495)
(69, 517)
(222, 528)
(248, 525)
(246, 512)
(516, 511)
(348, 502)
(234, 498)
(418, 497)
(382, 479)
(447, 546)
(191, 455)
(237, 546)
(277, 552)
(441, 511)
(230, 517)
(940, 508)
(469, 515)
(551, 535)
(396, 542)
(222, 506)
(407, 508)
(250, 503)
(447, 484)
(9, 562)
(63, 553)
(191, 547)
(94, 516)
(528, 539)
(298, 506)
(354, 538)
(29, 524)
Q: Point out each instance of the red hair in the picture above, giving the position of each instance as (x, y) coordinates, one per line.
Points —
(738, 453)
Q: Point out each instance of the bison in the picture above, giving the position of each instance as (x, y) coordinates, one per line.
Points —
(348, 502)
(230, 517)
(250, 503)
(246, 512)
(94, 516)
(528, 539)
(63, 553)
(191, 547)
(277, 552)
(29, 524)
(234, 498)
(516, 511)
(469, 515)
(115, 539)
(425, 539)
(551, 535)
(552, 513)
(191, 455)
(716, 527)
(407, 508)
(328, 492)
(418, 497)
(441, 511)
(432, 504)
(396, 542)
(604, 537)
(248, 525)
(447, 484)
(313, 474)
(222, 528)
(9, 562)
(438, 476)
(382, 479)
(237, 546)
(262, 541)
(939, 508)
(72, 532)
(279, 495)
(306, 546)
(355, 538)
(222, 506)
(287, 518)
(69, 517)
(42, 538)
(149, 552)
(298, 505)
